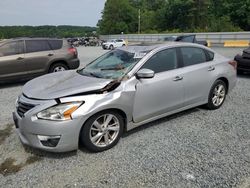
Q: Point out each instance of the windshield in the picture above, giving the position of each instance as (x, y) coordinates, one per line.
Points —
(115, 64)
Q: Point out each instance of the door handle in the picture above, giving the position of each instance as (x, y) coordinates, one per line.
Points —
(178, 78)
(20, 58)
(211, 68)
(50, 54)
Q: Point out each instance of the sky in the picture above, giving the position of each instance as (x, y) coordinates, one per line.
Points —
(50, 12)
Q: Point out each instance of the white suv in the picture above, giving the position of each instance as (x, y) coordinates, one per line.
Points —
(114, 43)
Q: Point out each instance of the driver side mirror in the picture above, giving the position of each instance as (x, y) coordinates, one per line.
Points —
(145, 74)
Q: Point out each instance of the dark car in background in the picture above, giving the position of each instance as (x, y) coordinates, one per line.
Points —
(185, 38)
(243, 61)
(24, 58)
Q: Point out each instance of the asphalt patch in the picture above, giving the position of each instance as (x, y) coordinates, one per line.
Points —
(9, 167)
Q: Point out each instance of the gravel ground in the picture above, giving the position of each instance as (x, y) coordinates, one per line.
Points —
(195, 148)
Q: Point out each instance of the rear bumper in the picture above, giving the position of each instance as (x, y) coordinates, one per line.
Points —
(74, 63)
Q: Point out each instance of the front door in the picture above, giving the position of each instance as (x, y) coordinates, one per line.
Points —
(164, 92)
(12, 60)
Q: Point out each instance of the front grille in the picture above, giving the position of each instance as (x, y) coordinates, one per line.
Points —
(22, 108)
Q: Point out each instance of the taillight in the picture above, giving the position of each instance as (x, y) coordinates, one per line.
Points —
(234, 64)
(73, 51)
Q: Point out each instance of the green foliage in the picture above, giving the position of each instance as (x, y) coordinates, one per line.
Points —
(238, 11)
(221, 24)
(63, 31)
(175, 15)
(118, 16)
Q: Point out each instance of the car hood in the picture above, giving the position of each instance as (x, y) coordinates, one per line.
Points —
(62, 84)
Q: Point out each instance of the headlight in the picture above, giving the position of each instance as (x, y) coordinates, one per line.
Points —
(59, 112)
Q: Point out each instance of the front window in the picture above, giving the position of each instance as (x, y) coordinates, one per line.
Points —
(12, 48)
(113, 65)
(164, 60)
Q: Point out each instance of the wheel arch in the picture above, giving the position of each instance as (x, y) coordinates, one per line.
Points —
(225, 80)
(57, 61)
(117, 110)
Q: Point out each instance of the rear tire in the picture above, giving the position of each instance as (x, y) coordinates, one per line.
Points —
(217, 95)
(102, 131)
(58, 67)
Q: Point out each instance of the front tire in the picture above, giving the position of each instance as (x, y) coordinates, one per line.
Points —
(102, 131)
(217, 95)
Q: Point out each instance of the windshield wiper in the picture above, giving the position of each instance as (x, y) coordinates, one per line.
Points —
(120, 67)
(85, 73)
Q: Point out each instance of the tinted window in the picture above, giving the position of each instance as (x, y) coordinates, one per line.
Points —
(11, 48)
(186, 39)
(192, 56)
(55, 44)
(36, 45)
(170, 38)
(162, 61)
(210, 55)
(119, 40)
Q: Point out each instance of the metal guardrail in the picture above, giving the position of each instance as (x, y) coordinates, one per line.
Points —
(214, 38)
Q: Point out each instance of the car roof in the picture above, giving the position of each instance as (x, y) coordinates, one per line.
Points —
(3, 42)
(29, 38)
(147, 47)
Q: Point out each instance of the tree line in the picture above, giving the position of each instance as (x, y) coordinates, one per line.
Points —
(63, 31)
(174, 16)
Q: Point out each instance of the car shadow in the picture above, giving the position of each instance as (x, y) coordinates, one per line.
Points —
(162, 120)
(46, 154)
(12, 84)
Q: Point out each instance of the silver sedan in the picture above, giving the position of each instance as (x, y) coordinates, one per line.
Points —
(123, 89)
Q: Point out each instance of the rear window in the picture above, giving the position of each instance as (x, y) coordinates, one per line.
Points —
(37, 46)
(56, 44)
(193, 55)
(210, 55)
(186, 39)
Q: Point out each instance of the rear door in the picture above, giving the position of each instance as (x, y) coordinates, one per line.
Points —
(38, 55)
(198, 74)
(164, 92)
(12, 60)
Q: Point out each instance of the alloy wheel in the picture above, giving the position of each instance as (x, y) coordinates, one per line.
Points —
(59, 69)
(219, 95)
(104, 130)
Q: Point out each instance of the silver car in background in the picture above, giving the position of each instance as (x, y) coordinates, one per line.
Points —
(121, 90)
